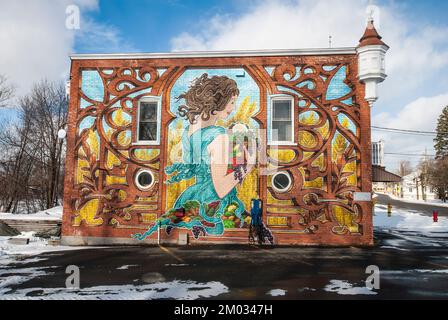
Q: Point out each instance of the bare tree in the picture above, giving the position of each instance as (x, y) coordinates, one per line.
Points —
(438, 177)
(423, 177)
(6, 91)
(31, 158)
(46, 110)
(405, 168)
(16, 168)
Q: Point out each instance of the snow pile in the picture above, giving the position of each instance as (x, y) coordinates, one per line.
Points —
(346, 288)
(276, 292)
(36, 246)
(184, 290)
(127, 266)
(17, 277)
(49, 214)
(431, 271)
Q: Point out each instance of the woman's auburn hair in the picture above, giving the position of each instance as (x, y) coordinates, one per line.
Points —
(206, 96)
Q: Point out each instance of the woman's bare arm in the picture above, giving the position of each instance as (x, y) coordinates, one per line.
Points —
(219, 160)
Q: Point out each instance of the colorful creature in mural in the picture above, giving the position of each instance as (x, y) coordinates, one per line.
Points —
(217, 159)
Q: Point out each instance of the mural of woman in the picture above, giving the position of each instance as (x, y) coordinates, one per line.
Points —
(207, 151)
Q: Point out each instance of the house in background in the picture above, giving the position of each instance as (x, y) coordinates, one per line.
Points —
(383, 180)
(137, 173)
(412, 189)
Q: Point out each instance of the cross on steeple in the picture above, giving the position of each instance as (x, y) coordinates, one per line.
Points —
(370, 13)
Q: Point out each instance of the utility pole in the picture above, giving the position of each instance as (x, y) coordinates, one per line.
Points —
(424, 176)
(416, 185)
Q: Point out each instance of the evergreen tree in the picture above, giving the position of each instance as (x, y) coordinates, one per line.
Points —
(441, 140)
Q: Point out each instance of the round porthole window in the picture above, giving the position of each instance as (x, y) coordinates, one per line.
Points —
(281, 181)
(144, 179)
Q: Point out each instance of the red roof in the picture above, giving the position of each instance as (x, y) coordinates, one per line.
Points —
(371, 36)
(379, 174)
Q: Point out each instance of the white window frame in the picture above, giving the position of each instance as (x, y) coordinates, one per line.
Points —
(158, 100)
(273, 98)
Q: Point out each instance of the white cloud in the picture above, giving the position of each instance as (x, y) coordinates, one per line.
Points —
(417, 115)
(417, 49)
(279, 24)
(420, 114)
(417, 62)
(102, 38)
(35, 42)
(188, 42)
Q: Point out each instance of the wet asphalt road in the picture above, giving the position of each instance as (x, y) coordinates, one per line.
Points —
(412, 266)
(426, 208)
(250, 272)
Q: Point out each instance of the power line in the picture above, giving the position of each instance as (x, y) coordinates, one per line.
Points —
(409, 154)
(406, 131)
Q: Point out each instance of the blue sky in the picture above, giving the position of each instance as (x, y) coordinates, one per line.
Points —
(153, 30)
(149, 25)
(36, 43)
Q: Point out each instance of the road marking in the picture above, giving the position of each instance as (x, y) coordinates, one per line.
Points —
(171, 254)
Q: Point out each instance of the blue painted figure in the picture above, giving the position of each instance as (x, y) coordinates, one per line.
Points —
(206, 157)
(255, 213)
(257, 228)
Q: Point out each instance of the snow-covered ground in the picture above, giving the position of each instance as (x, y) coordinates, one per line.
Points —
(437, 202)
(407, 220)
(11, 253)
(182, 290)
(346, 288)
(406, 226)
(410, 228)
(49, 214)
(24, 254)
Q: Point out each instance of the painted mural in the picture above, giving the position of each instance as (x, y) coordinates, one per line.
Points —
(211, 180)
(325, 164)
(206, 164)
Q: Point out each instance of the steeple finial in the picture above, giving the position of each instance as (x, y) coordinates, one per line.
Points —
(370, 11)
(371, 57)
(371, 36)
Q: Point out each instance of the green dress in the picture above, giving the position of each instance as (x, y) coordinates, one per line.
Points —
(196, 164)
